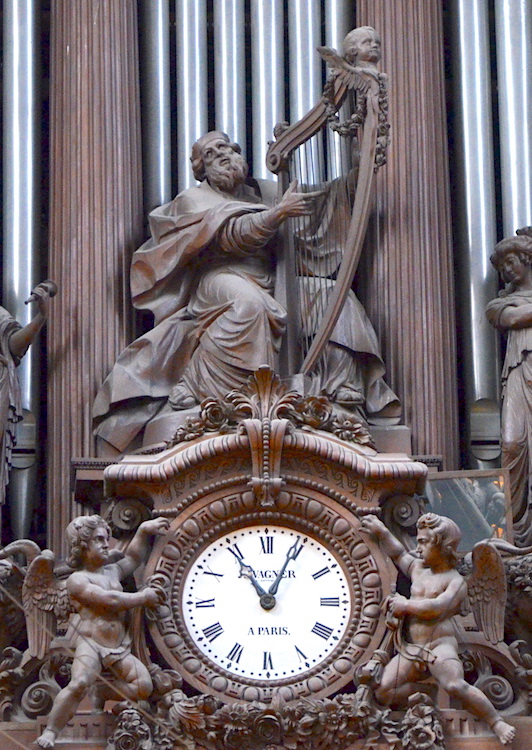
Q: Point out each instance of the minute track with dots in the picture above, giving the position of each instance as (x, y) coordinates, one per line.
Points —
(266, 602)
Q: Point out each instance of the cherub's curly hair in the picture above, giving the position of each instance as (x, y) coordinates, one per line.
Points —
(444, 532)
(354, 34)
(78, 534)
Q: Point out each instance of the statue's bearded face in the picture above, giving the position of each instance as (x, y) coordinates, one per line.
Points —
(225, 168)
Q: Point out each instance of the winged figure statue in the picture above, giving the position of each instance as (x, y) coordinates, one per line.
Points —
(427, 634)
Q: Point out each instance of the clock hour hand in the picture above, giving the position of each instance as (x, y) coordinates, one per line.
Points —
(292, 553)
(267, 601)
(246, 571)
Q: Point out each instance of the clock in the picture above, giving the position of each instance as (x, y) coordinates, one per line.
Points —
(267, 601)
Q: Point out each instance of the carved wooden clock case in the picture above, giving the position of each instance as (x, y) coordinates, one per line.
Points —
(270, 586)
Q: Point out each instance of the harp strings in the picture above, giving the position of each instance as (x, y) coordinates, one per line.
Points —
(320, 165)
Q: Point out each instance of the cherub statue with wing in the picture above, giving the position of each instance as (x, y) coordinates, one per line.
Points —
(439, 593)
(97, 628)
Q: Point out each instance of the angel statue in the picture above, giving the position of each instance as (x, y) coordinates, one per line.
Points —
(438, 594)
(97, 627)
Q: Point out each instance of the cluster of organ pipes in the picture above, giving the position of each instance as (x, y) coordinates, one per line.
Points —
(259, 60)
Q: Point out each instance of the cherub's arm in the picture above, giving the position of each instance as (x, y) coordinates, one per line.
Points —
(97, 599)
(447, 603)
(137, 550)
(388, 543)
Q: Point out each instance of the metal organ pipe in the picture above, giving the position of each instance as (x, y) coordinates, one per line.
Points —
(268, 78)
(304, 35)
(192, 92)
(339, 20)
(475, 224)
(513, 21)
(154, 26)
(230, 69)
(21, 218)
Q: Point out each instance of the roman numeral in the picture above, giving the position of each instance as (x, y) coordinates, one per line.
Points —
(330, 601)
(267, 660)
(236, 552)
(213, 631)
(266, 542)
(301, 656)
(322, 630)
(204, 603)
(235, 653)
(210, 572)
(320, 573)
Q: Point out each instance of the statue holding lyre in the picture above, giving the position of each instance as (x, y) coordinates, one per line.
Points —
(223, 284)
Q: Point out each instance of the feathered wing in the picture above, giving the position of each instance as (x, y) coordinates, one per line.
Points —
(487, 591)
(46, 602)
(347, 73)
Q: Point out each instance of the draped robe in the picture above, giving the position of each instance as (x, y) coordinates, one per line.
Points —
(516, 413)
(206, 275)
(10, 397)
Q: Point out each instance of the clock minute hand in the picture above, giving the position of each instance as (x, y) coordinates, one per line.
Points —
(292, 553)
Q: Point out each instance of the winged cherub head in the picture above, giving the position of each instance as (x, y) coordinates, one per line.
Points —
(362, 47)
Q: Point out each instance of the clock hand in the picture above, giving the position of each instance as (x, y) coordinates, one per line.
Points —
(267, 601)
(247, 571)
(292, 553)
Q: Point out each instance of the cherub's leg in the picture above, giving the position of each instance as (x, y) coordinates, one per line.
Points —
(85, 669)
(134, 681)
(397, 681)
(448, 671)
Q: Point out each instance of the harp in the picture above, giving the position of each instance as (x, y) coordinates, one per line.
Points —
(319, 257)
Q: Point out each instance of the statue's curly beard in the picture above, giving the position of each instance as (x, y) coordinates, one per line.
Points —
(228, 177)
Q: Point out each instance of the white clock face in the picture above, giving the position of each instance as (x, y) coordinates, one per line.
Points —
(266, 602)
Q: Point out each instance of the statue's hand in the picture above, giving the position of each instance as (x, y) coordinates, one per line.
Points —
(294, 203)
(152, 598)
(373, 526)
(398, 605)
(41, 294)
(157, 525)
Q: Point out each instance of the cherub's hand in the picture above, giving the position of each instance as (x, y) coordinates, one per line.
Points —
(398, 605)
(152, 597)
(157, 525)
(371, 525)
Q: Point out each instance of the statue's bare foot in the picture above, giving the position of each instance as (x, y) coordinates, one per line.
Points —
(504, 732)
(48, 738)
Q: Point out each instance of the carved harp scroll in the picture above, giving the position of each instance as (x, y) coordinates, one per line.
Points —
(368, 128)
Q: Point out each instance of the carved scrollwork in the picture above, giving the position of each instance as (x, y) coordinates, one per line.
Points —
(127, 515)
(38, 698)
